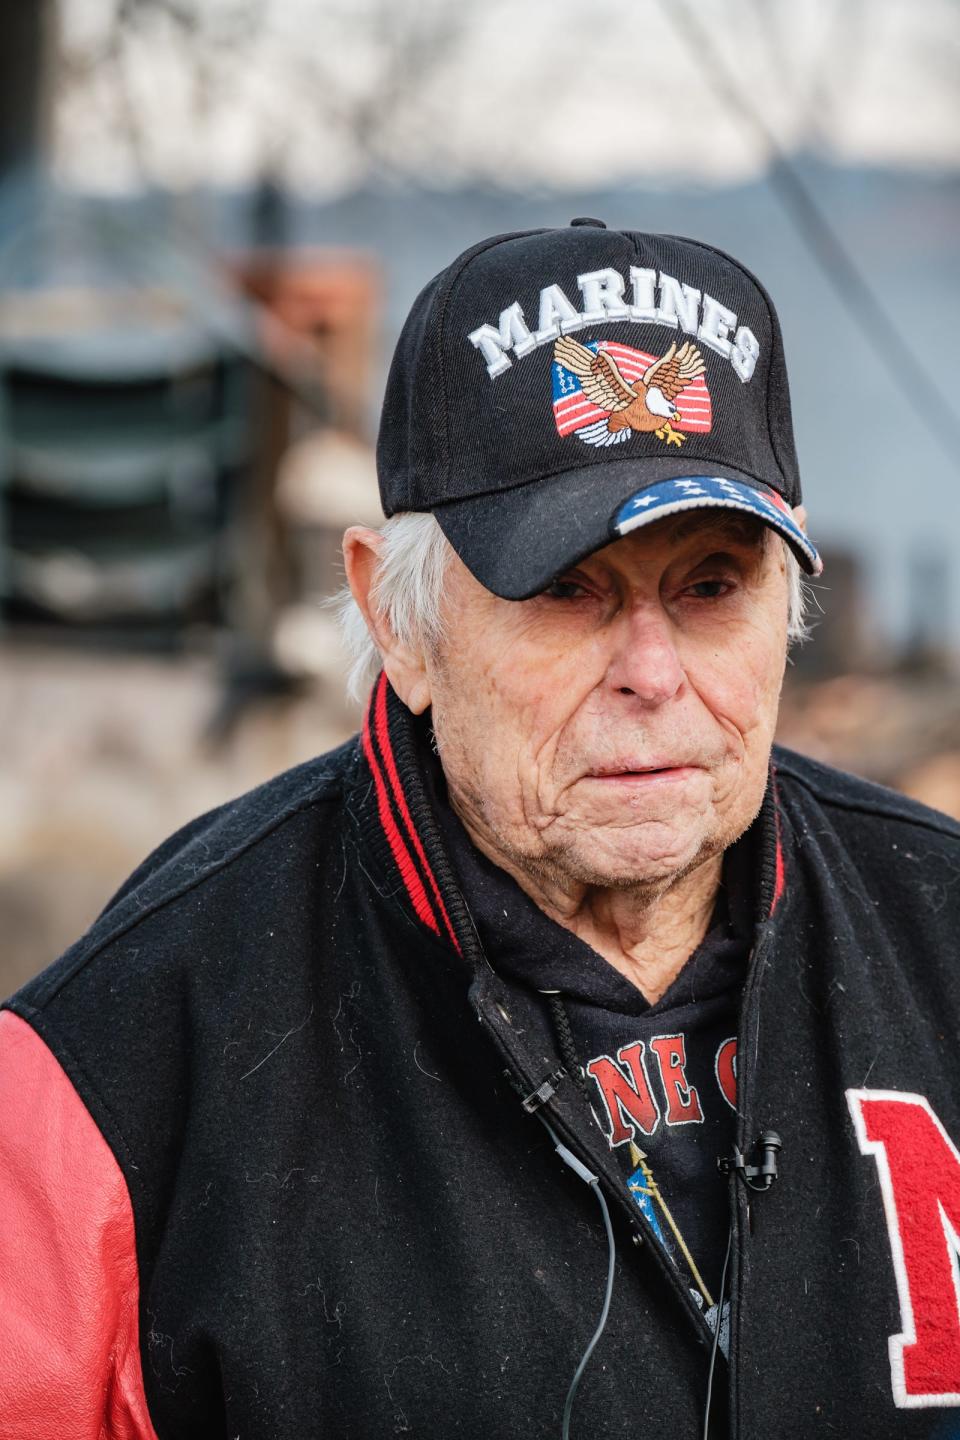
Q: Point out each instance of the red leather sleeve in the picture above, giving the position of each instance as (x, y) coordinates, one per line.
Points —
(69, 1293)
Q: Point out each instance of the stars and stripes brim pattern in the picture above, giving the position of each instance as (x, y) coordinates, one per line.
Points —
(702, 492)
(572, 411)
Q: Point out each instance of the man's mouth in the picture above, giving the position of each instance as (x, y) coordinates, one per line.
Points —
(671, 770)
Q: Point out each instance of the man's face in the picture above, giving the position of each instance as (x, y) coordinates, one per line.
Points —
(615, 730)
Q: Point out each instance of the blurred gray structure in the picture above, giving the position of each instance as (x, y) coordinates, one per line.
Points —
(124, 417)
(26, 75)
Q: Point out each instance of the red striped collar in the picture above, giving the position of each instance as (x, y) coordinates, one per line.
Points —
(405, 844)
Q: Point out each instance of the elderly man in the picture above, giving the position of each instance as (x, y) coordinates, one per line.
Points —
(389, 1098)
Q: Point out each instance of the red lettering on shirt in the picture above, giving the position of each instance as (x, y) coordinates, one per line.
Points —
(725, 1066)
(626, 1094)
(683, 1102)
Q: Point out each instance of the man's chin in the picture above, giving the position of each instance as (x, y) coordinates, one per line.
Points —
(631, 867)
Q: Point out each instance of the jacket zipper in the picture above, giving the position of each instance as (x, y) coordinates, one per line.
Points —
(740, 1197)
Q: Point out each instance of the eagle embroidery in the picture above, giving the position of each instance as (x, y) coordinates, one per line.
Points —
(646, 406)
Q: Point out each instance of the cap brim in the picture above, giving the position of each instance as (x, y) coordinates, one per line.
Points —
(516, 541)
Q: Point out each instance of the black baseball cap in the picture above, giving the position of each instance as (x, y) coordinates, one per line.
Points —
(553, 390)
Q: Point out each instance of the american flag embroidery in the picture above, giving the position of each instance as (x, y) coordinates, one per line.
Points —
(603, 392)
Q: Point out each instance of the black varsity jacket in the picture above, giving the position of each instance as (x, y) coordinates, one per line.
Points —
(272, 1163)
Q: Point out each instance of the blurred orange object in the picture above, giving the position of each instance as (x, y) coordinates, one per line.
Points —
(326, 305)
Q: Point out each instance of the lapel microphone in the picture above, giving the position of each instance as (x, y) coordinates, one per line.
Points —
(761, 1174)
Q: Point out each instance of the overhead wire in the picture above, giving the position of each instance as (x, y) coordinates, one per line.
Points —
(915, 382)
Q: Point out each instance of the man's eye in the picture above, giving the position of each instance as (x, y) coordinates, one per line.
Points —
(564, 590)
(709, 589)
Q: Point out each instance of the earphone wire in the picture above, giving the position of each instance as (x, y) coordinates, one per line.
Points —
(593, 1181)
(716, 1338)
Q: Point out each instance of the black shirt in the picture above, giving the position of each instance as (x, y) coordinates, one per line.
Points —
(661, 1078)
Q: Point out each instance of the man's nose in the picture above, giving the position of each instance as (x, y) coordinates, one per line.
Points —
(645, 662)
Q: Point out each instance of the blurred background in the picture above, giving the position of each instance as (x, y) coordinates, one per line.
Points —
(214, 215)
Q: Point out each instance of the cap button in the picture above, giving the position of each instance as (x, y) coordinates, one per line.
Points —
(587, 220)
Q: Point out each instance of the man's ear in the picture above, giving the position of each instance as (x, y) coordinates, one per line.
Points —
(800, 515)
(405, 665)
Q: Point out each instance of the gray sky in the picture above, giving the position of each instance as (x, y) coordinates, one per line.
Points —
(544, 93)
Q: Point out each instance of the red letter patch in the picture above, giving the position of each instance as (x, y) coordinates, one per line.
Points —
(919, 1170)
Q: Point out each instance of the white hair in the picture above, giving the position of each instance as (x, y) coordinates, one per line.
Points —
(408, 591)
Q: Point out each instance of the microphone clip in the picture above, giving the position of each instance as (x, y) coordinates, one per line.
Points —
(758, 1176)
